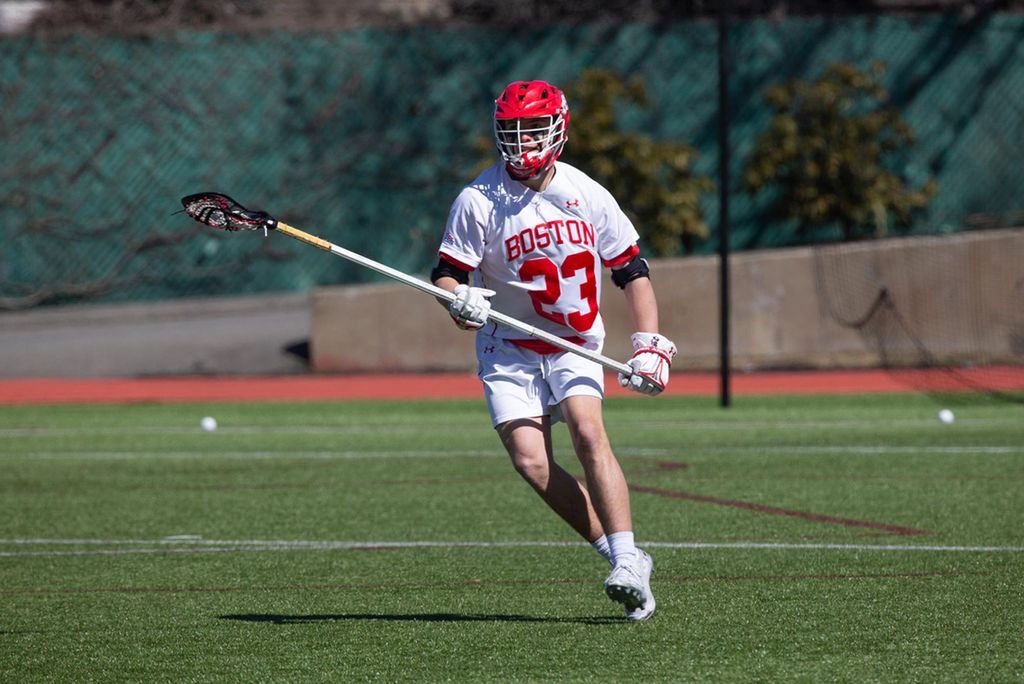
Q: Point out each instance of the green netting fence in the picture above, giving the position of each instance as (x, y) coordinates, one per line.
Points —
(365, 136)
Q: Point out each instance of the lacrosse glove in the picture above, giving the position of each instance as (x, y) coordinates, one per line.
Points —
(470, 307)
(652, 357)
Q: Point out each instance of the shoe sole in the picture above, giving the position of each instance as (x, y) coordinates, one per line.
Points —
(627, 596)
(647, 614)
(631, 599)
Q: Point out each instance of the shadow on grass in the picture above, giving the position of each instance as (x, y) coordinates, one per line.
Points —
(415, 617)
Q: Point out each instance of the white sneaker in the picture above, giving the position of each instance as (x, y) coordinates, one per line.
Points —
(630, 585)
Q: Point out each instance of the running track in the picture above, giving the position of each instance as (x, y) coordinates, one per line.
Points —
(442, 386)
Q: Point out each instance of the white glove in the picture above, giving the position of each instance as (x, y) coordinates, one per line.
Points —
(470, 307)
(652, 357)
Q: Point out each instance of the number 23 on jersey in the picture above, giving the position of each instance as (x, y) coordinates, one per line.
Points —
(581, 317)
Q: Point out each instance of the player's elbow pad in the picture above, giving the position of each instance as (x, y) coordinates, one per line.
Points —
(446, 268)
(634, 268)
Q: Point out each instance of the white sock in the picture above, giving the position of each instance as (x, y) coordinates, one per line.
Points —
(622, 546)
(601, 546)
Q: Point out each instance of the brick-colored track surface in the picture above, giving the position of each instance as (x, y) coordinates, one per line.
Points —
(443, 386)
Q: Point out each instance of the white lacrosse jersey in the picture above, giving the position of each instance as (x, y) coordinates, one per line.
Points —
(541, 252)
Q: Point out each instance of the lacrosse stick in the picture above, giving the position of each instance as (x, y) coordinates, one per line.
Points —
(222, 212)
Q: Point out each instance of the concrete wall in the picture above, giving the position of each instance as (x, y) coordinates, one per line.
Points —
(962, 296)
(247, 335)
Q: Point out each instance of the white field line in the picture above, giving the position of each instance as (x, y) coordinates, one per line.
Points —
(328, 454)
(867, 424)
(366, 429)
(374, 428)
(206, 455)
(187, 544)
(866, 449)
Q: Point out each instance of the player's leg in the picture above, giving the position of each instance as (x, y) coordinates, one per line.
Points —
(528, 442)
(630, 580)
(605, 481)
(518, 399)
(578, 385)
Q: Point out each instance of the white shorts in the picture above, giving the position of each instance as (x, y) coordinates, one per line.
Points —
(519, 383)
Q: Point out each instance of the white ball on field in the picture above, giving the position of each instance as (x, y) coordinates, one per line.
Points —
(209, 423)
(945, 416)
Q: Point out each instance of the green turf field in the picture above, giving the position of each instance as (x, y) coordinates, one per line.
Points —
(848, 539)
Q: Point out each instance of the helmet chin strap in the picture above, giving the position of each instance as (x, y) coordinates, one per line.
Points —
(527, 174)
(521, 174)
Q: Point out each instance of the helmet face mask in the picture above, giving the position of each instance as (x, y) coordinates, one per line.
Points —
(531, 119)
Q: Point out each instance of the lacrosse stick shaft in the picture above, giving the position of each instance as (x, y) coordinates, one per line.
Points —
(496, 316)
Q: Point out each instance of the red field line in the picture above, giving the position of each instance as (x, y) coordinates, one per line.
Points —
(436, 386)
(775, 510)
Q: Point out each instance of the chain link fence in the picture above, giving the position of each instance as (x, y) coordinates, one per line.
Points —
(364, 134)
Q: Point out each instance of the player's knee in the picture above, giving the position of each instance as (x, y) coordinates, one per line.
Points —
(589, 440)
(530, 467)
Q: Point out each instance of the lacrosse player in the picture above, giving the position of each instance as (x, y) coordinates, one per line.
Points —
(534, 233)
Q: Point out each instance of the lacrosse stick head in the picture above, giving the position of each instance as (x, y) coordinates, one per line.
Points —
(220, 211)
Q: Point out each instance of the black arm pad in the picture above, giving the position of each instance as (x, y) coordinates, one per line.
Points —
(446, 268)
(634, 268)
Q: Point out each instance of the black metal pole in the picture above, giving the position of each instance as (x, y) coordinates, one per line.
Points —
(723, 200)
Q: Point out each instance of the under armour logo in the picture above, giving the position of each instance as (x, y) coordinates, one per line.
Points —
(488, 350)
(569, 204)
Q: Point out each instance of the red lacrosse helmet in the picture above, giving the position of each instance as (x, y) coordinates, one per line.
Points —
(530, 123)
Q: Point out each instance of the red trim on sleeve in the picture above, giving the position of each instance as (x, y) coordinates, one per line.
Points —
(455, 262)
(622, 258)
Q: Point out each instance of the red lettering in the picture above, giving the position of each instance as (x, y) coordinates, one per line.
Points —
(527, 233)
(588, 233)
(543, 236)
(557, 227)
(513, 248)
(573, 228)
